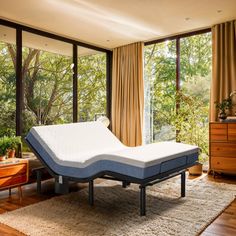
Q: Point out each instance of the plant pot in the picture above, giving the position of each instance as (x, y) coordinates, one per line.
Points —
(195, 170)
(222, 116)
(2, 158)
(11, 153)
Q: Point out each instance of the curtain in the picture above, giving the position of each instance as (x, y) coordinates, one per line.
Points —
(128, 93)
(223, 63)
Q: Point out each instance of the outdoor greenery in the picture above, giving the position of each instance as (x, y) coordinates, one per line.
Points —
(7, 143)
(48, 90)
(226, 104)
(92, 86)
(189, 123)
(7, 91)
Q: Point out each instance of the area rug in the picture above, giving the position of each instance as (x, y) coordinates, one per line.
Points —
(116, 211)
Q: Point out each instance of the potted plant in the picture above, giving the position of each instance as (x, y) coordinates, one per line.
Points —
(223, 106)
(8, 146)
(13, 144)
(3, 148)
(198, 168)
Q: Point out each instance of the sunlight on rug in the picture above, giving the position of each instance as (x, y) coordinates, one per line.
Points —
(116, 211)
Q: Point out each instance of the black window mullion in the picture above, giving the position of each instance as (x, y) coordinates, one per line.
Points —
(19, 82)
(177, 80)
(108, 83)
(75, 83)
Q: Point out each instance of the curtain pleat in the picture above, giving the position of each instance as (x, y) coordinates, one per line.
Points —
(128, 93)
(223, 63)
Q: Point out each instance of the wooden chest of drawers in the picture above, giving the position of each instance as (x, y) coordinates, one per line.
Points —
(222, 137)
(14, 172)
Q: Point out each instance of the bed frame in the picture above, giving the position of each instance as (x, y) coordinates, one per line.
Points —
(62, 182)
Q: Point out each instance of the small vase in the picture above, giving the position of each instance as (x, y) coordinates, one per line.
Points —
(222, 116)
(196, 169)
(11, 153)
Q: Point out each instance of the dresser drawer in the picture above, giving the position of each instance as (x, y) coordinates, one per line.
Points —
(7, 182)
(223, 150)
(13, 170)
(225, 164)
(218, 132)
(232, 132)
(218, 126)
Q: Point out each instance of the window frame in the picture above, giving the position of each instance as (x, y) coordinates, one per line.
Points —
(74, 47)
(177, 39)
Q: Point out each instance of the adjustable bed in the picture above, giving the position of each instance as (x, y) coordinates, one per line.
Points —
(85, 151)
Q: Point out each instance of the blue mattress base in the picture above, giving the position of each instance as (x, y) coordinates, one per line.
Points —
(108, 165)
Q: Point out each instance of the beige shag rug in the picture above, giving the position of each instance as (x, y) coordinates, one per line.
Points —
(116, 211)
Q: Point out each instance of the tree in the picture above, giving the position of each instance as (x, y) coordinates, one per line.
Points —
(47, 86)
(160, 90)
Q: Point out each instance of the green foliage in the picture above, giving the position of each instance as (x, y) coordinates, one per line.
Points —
(7, 92)
(92, 86)
(160, 73)
(48, 88)
(190, 122)
(8, 143)
(226, 104)
(3, 146)
(162, 121)
(14, 142)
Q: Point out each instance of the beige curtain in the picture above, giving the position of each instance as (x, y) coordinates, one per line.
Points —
(128, 93)
(223, 63)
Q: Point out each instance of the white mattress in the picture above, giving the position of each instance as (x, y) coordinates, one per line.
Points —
(81, 144)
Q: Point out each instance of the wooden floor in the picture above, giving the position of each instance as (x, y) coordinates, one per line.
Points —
(225, 224)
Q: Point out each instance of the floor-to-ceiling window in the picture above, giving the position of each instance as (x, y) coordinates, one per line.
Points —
(7, 81)
(194, 95)
(160, 89)
(47, 81)
(91, 84)
(177, 90)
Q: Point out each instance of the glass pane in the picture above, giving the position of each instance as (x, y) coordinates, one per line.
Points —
(7, 81)
(48, 81)
(91, 84)
(195, 64)
(160, 90)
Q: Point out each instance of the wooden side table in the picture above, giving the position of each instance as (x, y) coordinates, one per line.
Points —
(14, 172)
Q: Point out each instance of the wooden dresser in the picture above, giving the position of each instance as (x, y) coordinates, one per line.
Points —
(222, 137)
(14, 172)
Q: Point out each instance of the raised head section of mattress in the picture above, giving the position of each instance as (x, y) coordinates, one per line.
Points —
(74, 142)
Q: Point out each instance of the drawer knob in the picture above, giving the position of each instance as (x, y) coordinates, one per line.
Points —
(218, 163)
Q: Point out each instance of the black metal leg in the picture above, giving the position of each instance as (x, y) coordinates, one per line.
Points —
(183, 180)
(61, 185)
(124, 184)
(39, 179)
(142, 200)
(91, 193)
